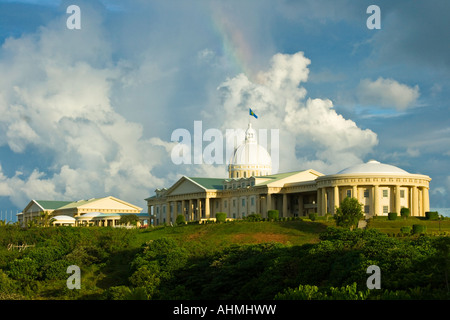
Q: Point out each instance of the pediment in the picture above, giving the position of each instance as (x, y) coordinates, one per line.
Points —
(185, 186)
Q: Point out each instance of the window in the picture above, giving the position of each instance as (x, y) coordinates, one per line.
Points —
(402, 193)
(385, 209)
(366, 209)
(243, 202)
(234, 202)
(217, 204)
(366, 193)
(349, 193)
(252, 199)
(225, 203)
(385, 194)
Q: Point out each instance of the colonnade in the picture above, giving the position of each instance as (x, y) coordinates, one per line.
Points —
(371, 197)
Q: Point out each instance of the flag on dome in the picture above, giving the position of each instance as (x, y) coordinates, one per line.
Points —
(253, 114)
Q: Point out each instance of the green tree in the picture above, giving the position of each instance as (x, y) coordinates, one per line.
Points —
(221, 217)
(131, 219)
(180, 220)
(273, 214)
(349, 213)
(44, 219)
(405, 213)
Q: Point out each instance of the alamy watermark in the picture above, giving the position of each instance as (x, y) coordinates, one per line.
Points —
(374, 21)
(74, 281)
(374, 281)
(74, 20)
(220, 147)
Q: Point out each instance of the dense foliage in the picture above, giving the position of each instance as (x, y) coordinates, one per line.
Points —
(114, 267)
(349, 213)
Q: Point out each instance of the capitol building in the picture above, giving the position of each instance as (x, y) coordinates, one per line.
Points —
(251, 188)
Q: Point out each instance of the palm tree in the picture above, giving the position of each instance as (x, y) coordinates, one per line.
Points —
(44, 218)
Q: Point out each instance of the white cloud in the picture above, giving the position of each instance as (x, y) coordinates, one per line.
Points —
(57, 99)
(387, 93)
(312, 133)
(67, 97)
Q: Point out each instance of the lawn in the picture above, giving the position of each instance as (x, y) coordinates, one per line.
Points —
(393, 226)
(219, 235)
(210, 237)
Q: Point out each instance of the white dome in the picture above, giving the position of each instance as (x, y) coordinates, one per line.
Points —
(373, 166)
(250, 152)
(250, 159)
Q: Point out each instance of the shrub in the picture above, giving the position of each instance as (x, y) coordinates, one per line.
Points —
(55, 270)
(392, 215)
(405, 213)
(7, 285)
(406, 229)
(117, 293)
(419, 228)
(180, 220)
(253, 217)
(432, 215)
(273, 214)
(129, 219)
(24, 269)
(147, 279)
(44, 255)
(221, 217)
(313, 216)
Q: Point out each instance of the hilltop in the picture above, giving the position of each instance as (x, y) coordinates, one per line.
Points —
(232, 260)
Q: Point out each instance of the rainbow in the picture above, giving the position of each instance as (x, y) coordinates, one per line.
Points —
(236, 50)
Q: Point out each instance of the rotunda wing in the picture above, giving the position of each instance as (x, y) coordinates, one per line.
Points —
(373, 166)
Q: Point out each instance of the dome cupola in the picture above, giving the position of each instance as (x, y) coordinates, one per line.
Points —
(249, 158)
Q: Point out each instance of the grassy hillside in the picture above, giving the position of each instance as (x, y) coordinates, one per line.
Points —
(233, 260)
(297, 232)
(220, 235)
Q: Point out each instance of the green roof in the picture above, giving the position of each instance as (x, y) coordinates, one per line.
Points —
(275, 177)
(75, 204)
(52, 205)
(209, 183)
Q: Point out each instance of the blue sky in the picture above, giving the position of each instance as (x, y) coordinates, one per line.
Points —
(90, 112)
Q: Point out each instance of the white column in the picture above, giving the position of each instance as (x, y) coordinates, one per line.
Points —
(284, 214)
(426, 200)
(336, 197)
(397, 199)
(376, 200)
(207, 208)
(268, 203)
(415, 202)
(319, 201)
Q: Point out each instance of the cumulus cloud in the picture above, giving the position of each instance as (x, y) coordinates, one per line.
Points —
(387, 93)
(68, 96)
(57, 99)
(311, 133)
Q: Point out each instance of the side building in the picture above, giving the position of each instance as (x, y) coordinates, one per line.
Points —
(96, 211)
